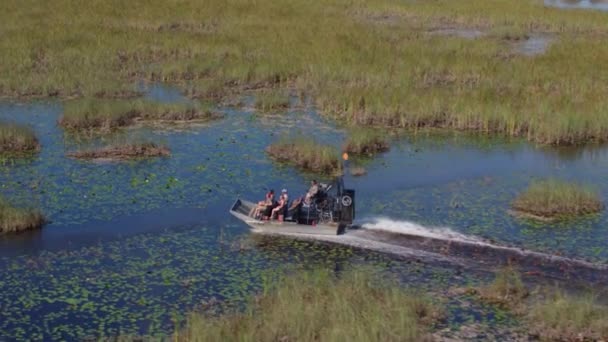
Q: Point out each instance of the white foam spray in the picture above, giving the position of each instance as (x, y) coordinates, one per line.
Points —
(447, 234)
(411, 228)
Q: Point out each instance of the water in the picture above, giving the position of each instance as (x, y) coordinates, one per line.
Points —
(132, 245)
(601, 5)
(536, 44)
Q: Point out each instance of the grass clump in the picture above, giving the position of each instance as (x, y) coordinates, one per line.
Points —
(366, 142)
(548, 199)
(16, 138)
(110, 114)
(272, 100)
(124, 151)
(15, 220)
(565, 318)
(306, 154)
(315, 306)
(506, 290)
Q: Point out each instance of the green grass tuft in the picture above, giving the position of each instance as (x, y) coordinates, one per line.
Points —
(315, 306)
(506, 290)
(15, 220)
(565, 318)
(272, 100)
(367, 142)
(306, 154)
(554, 199)
(16, 138)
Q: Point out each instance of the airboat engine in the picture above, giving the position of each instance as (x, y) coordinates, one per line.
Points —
(346, 201)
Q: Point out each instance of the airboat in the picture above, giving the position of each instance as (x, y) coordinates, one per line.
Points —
(330, 212)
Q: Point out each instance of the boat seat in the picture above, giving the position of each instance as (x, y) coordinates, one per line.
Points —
(291, 210)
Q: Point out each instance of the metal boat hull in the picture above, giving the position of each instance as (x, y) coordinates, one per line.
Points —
(241, 208)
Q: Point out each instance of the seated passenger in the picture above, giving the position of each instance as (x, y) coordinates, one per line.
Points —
(279, 210)
(312, 191)
(262, 205)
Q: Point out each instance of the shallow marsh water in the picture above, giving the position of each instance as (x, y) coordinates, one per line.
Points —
(534, 45)
(601, 5)
(133, 245)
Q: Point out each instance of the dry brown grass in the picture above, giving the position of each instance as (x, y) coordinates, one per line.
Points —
(110, 114)
(16, 138)
(126, 151)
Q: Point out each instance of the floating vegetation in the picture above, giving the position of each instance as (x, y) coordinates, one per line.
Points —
(563, 317)
(315, 305)
(145, 284)
(549, 199)
(125, 151)
(364, 141)
(109, 114)
(272, 100)
(18, 139)
(306, 154)
(15, 220)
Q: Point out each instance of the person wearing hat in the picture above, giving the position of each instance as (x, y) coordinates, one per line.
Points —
(279, 210)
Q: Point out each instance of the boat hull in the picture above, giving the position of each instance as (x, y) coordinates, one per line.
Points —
(241, 208)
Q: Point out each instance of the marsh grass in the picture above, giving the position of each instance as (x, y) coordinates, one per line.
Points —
(124, 151)
(17, 139)
(15, 220)
(365, 141)
(557, 199)
(272, 100)
(110, 114)
(307, 155)
(317, 306)
(567, 318)
(507, 290)
(374, 66)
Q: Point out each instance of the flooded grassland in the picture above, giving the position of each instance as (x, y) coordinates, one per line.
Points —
(142, 128)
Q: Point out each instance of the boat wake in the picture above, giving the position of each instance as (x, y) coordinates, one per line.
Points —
(410, 228)
(477, 252)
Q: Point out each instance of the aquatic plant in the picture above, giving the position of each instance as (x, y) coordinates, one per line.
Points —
(553, 198)
(109, 114)
(15, 220)
(16, 138)
(306, 154)
(271, 100)
(507, 289)
(365, 141)
(563, 317)
(315, 305)
(124, 151)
